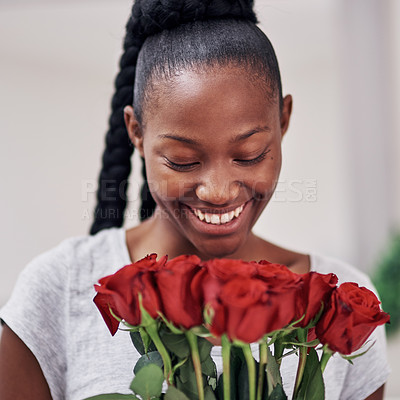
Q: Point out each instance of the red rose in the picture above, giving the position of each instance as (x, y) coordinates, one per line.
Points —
(104, 301)
(218, 271)
(267, 270)
(226, 269)
(353, 313)
(248, 299)
(316, 290)
(120, 292)
(180, 304)
(206, 285)
(246, 314)
(287, 286)
(251, 307)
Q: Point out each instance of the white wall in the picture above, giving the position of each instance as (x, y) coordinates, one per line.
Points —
(340, 60)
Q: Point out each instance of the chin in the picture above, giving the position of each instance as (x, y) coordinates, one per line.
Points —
(218, 248)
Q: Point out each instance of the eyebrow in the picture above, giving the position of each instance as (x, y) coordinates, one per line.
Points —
(249, 133)
(238, 138)
(178, 138)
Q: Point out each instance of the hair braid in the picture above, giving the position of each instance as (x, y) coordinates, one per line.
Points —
(148, 18)
(111, 193)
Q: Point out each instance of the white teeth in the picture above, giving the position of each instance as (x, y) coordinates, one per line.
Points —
(200, 215)
(217, 219)
(225, 218)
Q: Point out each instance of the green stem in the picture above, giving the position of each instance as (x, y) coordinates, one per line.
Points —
(326, 355)
(153, 333)
(226, 363)
(261, 370)
(251, 366)
(302, 337)
(194, 348)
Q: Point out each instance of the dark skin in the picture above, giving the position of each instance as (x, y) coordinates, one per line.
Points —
(21, 377)
(215, 126)
(225, 152)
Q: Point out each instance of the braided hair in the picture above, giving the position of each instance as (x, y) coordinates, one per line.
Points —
(163, 37)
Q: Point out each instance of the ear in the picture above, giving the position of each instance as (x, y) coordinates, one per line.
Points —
(133, 128)
(286, 113)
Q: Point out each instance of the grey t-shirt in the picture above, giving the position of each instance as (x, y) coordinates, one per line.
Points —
(52, 311)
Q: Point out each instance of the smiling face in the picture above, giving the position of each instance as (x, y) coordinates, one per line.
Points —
(211, 141)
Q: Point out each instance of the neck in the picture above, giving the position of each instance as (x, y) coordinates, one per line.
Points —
(159, 235)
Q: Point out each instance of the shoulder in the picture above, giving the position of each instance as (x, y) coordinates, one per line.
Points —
(95, 254)
(53, 289)
(46, 284)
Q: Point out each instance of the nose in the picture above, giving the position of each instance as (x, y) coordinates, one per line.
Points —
(218, 189)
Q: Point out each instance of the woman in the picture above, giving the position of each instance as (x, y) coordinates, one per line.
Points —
(199, 95)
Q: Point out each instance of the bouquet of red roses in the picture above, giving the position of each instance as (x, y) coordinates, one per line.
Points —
(175, 309)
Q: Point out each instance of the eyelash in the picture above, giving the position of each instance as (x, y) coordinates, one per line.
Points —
(188, 167)
(180, 167)
(256, 160)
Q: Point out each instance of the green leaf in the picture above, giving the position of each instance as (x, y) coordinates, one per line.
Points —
(148, 382)
(174, 394)
(208, 367)
(201, 331)
(208, 393)
(273, 373)
(153, 357)
(170, 325)
(219, 391)
(113, 396)
(278, 393)
(236, 361)
(147, 342)
(185, 381)
(138, 343)
(312, 384)
(186, 371)
(178, 365)
(313, 343)
(350, 358)
(189, 387)
(177, 344)
(205, 347)
(212, 383)
(243, 385)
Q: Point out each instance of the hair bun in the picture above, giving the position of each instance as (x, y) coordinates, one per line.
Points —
(152, 16)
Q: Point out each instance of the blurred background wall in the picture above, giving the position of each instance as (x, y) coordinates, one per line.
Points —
(339, 191)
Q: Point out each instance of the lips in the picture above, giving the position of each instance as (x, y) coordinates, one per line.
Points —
(218, 218)
(213, 228)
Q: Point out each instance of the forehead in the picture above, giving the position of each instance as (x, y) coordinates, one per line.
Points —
(212, 92)
(210, 110)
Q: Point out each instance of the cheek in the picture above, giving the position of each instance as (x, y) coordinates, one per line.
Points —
(167, 185)
(264, 179)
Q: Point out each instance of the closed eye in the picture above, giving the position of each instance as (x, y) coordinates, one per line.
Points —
(253, 161)
(180, 167)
